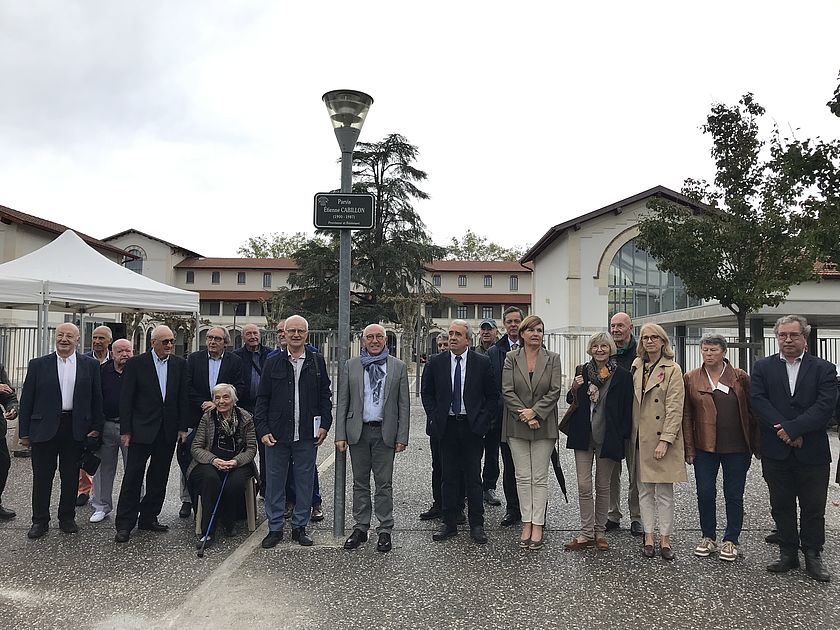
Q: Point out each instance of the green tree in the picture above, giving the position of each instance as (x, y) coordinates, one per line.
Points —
(751, 245)
(274, 245)
(471, 246)
(834, 103)
(387, 260)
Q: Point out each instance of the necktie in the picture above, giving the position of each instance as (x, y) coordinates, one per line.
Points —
(456, 387)
(514, 345)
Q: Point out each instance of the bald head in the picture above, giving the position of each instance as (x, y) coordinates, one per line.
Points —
(374, 339)
(66, 339)
(621, 328)
(121, 351)
(251, 337)
(163, 341)
(297, 330)
(99, 342)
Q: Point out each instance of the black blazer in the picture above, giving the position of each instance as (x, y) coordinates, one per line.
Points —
(142, 410)
(246, 357)
(275, 412)
(198, 379)
(806, 413)
(619, 416)
(40, 400)
(481, 396)
(497, 354)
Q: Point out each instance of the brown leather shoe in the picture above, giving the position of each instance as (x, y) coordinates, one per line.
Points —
(601, 544)
(576, 544)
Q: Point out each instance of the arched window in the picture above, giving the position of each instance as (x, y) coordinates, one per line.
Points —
(639, 288)
(135, 264)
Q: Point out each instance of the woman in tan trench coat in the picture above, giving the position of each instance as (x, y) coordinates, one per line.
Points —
(659, 454)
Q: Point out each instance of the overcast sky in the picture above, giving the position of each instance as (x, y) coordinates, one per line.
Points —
(201, 121)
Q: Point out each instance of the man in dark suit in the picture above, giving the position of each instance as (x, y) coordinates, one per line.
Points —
(460, 396)
(793, 393)
(154, 413)
(293, 415)
(206, 369)
(60, 409)
(511, 319)
(252, 354)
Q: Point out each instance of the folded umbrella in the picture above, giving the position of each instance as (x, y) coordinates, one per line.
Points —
(558, 472)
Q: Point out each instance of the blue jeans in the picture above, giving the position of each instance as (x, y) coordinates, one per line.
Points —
(291, 494)
(277, 459)
(735, 467)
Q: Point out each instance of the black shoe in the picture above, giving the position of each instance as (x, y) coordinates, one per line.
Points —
(445, 531)
(272, 539)
(478, 535)
(814, 566)
(509, 519)
(82, 499)
(637, 529)
(384, 542)
(490, 497)
(355, 539)
(788, 559)
(186, 510)
(611, 525)
(773, 538)
(432, 513)
(6, 514)
(37, 530)
(202, 542)
(122, 536)
(154, 526)
(290, 509)
(317, 514)
(461, 518)
(69, 526)
(300, 536)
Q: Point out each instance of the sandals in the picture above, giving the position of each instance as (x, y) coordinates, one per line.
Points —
(535, 545)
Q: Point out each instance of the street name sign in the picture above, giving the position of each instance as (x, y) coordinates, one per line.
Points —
(351, 211)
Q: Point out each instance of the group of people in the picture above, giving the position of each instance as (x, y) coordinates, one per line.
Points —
(629, 403)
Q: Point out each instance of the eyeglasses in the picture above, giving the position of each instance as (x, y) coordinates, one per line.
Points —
(372, 337)
(214, 338)
(788, 335)
(167, 342)
(651, 337)
(296, 331)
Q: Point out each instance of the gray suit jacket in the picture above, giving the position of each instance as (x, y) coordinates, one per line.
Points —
(351, 401)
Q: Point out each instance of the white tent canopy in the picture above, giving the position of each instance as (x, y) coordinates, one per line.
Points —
(70, 275)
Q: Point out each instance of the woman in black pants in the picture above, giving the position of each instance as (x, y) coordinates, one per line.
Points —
(225, 444)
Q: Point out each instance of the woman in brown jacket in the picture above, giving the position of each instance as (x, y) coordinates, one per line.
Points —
(720, 431)
(531, 386)
(659, 459)
(225, 444)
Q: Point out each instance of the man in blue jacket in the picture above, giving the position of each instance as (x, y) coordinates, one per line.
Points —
(292, 417)
(793, 393)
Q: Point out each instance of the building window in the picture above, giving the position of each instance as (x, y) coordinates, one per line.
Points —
(215, 277)
(240, 277)
(461, 312)
(233, 308)
(638, 287)
(462, 280)
(191, 277)
(135, 264)
(488, 281)
(267, 280)
(486, 312)
(514, 283)
(436, 280)
(434, 310)
(208, 307)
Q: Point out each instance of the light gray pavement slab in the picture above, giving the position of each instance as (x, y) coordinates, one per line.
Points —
(156, 581)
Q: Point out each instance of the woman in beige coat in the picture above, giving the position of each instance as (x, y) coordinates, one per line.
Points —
(659, 459)
(531, 386)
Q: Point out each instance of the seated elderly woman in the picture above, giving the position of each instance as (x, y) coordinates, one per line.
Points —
(224, 447)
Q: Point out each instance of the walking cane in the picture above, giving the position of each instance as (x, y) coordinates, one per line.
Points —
(213, 516)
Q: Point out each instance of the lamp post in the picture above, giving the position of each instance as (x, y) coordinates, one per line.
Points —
(347, 110)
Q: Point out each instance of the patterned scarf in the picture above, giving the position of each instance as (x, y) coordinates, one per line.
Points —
(376, 374)
(228, 425)
(597, 377)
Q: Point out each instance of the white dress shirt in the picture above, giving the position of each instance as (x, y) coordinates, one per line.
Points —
(452, 364)
(792, 370)
(67, 380)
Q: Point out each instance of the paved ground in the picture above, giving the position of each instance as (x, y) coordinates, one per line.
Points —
(156, 581)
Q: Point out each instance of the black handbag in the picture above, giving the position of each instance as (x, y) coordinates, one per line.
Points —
(566, 420)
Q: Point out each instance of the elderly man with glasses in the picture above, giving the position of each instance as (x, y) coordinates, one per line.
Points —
(154, 413)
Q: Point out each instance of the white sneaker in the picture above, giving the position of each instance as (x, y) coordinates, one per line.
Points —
(98, 516)
(729, 551)
(705, 548)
